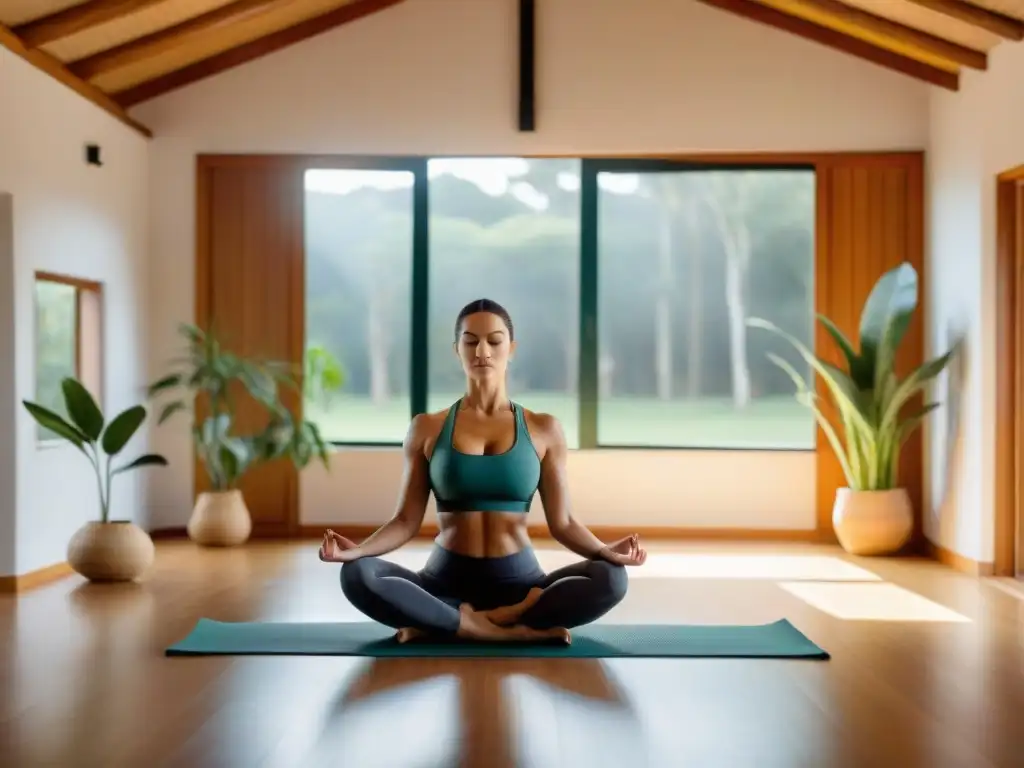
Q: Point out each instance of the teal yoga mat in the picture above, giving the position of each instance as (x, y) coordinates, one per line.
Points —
(779, 640)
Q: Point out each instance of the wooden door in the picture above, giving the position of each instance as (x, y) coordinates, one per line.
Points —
(249, 290)
(1009, 463)
(1018, 365)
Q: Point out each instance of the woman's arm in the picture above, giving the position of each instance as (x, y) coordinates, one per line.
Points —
(554, 495)
(412, 501)
(554, 492)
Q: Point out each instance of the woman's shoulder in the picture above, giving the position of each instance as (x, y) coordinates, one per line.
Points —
(542, 424)
(429, 421)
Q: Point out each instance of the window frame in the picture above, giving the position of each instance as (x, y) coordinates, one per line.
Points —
(419, 332)
(589, 351)
(88, 314)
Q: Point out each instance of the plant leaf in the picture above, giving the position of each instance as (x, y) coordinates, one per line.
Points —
(886, 317)
(860, 370)
(233, 461)
(260, 384)
(192, 332)
(807, 399)
(82, 409)
(842, 387)
(167, 382)
(146, 460)
(215, 428)
(169, 410)
(241, 448)
(122, 429)
(910, 424)
(320, 446)
(916, 381)
(781, 362)
(56, 424)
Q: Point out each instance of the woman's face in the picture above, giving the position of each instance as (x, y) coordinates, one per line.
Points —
(484, 346)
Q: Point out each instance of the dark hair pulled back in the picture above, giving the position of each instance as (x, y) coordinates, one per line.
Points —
(484, 305)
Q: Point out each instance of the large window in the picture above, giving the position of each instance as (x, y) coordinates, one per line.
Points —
(684, 257)
(629, 283)
(358, 238)
(508, 229)
(68, 332)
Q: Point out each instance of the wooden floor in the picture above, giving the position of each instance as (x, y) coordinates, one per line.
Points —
(926, 671)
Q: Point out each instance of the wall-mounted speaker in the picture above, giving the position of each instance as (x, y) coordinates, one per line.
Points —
(92, 154)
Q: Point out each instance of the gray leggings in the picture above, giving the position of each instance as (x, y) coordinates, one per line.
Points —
(429, 599)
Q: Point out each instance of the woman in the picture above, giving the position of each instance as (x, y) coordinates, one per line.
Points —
(483, 459)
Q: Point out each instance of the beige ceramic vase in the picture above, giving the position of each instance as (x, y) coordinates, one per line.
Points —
(872, 522)
(117, 551)
(220, 519)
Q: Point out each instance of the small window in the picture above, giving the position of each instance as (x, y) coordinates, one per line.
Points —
(68, 340)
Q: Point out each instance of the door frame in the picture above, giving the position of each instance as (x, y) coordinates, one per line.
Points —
(1009, 468)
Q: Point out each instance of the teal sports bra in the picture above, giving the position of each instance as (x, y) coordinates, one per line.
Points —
(501, 482)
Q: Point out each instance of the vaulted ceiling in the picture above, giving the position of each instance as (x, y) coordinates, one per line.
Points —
(118, 53)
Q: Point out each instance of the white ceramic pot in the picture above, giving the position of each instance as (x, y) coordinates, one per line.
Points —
(116, 551)
(873, 522)
(220, 519)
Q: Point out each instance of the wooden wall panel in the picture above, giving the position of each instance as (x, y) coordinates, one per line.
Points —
(870, 219)
(250, 290)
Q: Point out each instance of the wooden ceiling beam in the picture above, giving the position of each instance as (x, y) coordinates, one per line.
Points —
(77, 18)
(43, 61)
(763, 14)
(898, 33)
(163, 40)
(149, 89)
(999, 24)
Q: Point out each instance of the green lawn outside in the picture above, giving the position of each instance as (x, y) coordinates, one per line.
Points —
(770, 423)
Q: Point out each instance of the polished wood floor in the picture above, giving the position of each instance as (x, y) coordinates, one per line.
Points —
(926, 671)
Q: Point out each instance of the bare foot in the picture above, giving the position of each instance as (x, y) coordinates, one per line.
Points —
(474, 625)
(510, 614)
(408, 634)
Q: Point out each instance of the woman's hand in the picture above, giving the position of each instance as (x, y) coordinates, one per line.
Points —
(335, 548)
(625, 551)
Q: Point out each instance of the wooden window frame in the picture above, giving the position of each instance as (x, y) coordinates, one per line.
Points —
(590, 166)
(588, 389)
(88, 331)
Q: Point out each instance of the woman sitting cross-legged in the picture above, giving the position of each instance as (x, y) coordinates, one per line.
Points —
(483, 459)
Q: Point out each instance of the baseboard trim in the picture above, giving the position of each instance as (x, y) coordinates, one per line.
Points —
(169, 533)
(604, 532)
(958, 562)
(37, 578)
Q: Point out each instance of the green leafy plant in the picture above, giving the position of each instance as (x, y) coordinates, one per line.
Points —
(322, 375)
(215, 377)
(99, 440)
(869, 397)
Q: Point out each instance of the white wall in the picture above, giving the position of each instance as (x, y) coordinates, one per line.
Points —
(438, 77)
(77, 220)
(975, 134)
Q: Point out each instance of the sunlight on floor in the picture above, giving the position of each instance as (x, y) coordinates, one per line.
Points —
(872, 602)
(1007, 585)
(747, 567)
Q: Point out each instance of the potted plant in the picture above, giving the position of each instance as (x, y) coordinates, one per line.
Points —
(206, 384)
(104, 550)
(872, 514)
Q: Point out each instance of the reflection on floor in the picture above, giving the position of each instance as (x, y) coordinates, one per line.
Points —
(925, 672)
